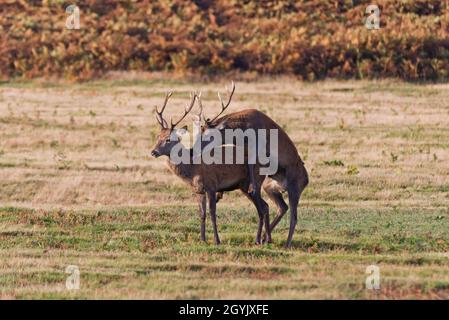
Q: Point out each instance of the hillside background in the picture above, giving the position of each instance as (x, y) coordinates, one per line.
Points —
(309, 39)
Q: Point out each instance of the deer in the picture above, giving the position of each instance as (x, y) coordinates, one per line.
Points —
(291, 176)
(207, 180)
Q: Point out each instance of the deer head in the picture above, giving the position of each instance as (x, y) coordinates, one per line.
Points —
(169, 135)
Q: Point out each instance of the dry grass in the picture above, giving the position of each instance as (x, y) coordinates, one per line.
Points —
(77, 187)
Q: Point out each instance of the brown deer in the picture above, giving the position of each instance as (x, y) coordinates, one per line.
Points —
(207, 179)
(291, 175)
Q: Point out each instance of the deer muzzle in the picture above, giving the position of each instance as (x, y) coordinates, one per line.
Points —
(155, 153)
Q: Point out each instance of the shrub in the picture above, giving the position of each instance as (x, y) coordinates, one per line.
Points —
(310, 39)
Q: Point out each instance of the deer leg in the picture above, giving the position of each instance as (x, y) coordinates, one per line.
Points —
(282, 208)
(219, 196)
(266, 214)
(259, 212)
(293, 199)
(213, 216)
(262, 211)
(295, 188)
(202, 204)
(277, 198)
(252, 185)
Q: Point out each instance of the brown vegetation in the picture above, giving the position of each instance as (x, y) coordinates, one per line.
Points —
(310, 39)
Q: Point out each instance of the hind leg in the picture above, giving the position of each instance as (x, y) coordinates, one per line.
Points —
(293, 199)
(260, 213)
(266, 215)
(263, 210)
(295, 187)
(252, 181)
(263, 213)
(258, 204)
(276, 196)
(219, 196)
(263, 206)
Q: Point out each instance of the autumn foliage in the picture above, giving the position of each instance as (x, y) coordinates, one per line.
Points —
(310, 39)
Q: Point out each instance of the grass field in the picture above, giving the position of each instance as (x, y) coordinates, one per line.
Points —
(77, 187)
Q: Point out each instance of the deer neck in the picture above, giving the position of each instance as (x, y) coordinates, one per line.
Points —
(186, 171)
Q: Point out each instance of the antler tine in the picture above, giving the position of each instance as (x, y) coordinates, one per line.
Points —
(200, 105)
(161, 122)
(159, 116)
(187, 109)
(224, 106)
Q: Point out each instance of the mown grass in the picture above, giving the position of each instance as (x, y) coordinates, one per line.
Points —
(77, 188)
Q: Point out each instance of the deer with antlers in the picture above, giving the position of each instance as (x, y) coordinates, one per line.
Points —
(291, 175)
(208, 180)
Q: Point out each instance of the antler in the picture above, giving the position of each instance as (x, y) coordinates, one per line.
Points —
(200, 105)
(159, 117)
(224, 106)
(187, 109)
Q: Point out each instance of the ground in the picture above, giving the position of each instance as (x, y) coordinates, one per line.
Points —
(77, 187)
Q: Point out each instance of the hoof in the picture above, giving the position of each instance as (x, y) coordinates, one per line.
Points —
(265, 241)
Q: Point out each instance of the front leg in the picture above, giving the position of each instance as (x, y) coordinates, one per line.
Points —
(213, 216)
(202, 205)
